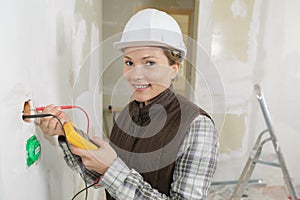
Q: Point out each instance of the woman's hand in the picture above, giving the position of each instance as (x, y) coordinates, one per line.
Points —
(50, 125)
(98, 160)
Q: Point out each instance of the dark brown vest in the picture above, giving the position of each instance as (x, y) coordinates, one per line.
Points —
(148, 138)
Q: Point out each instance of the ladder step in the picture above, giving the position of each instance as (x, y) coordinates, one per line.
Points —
(252, 181)
(268, 163)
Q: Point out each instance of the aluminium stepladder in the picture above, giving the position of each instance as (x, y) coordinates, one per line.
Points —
(255, 154)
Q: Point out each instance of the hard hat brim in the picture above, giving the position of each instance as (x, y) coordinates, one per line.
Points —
(123, 45)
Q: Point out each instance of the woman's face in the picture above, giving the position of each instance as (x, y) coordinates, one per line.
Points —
(148, 71)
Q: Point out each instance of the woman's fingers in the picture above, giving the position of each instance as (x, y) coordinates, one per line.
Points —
(78, 151)
(98, 160)
(50, 125)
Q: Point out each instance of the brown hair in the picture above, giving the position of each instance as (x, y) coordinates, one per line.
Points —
(173, 55)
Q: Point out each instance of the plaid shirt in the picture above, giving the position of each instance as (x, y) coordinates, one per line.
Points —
(194, 168)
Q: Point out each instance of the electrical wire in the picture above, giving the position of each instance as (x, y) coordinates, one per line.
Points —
(87, 117)
(87, 187)
(67, 144)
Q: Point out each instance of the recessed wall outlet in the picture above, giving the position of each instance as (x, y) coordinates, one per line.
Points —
(27, 110)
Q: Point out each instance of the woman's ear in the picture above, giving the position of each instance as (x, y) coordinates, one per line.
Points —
(175, 70)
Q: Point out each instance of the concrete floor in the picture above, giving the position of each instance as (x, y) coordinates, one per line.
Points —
(255, 192)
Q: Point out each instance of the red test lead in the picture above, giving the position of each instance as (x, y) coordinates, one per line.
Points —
(62, 107)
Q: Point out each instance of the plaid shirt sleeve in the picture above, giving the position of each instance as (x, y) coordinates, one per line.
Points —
(74, 162)
(194, 169)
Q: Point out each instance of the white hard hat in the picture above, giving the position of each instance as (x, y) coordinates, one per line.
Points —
(151, 27)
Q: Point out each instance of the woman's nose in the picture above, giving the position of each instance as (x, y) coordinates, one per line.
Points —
(137, 73)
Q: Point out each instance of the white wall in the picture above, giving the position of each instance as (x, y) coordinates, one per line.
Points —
(43, 47)
(272, 61)
(281, 76)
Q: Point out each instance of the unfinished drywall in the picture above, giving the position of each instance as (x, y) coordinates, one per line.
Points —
(281, 77)
(43, 49)
(223, 80)
(259, 47)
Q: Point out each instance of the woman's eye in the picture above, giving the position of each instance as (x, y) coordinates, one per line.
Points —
(149, 63)
(128, 63)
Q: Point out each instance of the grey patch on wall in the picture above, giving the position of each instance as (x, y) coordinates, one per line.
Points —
(286, 76)
(239, 8)
(233, 133)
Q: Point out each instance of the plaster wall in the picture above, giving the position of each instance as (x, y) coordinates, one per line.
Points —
(252, 42)
(44, 45)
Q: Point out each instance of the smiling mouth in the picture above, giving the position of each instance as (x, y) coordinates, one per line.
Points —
(141, 86)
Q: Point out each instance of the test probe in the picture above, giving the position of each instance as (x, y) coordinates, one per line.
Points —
(74, 136)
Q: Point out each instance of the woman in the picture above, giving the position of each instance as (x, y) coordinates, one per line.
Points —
(162, 146)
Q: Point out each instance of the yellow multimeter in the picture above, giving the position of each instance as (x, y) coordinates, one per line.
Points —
(78, 138)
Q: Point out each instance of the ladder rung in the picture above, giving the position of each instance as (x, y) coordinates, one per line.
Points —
(252, 181)
(268, 163)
